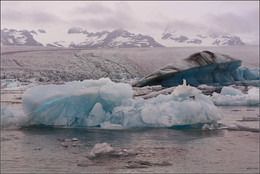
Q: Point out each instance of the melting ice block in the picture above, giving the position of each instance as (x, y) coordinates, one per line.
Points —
(105, 103)
(233, 97)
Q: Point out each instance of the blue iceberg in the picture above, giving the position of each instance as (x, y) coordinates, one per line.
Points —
(203, 68)
(11, 116)
(108, 104)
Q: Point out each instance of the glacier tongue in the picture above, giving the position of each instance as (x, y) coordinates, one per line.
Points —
(105, 103)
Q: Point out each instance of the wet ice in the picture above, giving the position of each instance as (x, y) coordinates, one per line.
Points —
(105, 103)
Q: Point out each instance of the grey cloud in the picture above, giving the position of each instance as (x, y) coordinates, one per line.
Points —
(93, 8)
(119, 18)
(246, 23)
(182, 25)
(15, 16)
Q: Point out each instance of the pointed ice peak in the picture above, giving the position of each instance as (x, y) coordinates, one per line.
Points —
(184, 82)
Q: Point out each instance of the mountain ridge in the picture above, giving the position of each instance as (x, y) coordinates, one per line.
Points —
(118, 38)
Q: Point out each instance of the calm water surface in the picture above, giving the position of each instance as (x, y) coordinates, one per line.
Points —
(39, 150)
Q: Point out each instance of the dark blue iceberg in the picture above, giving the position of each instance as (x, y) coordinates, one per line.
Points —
(203, 68)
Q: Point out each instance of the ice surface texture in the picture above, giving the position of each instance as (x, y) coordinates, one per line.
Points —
(108, 104)
(233, 97)
(202, 68)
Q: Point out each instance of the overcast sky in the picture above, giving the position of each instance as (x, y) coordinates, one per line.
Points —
(236, 17)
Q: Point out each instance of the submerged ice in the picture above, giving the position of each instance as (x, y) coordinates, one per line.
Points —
(108, 104)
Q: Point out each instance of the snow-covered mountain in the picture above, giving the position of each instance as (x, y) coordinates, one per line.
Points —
(21, 38)
(118, 38)
(78, 38)
(202, 37)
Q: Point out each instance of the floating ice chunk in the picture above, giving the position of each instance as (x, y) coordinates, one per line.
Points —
(233, 97)
(208, 127)
(107, 104)
(240, 127)
(101, 149)
(105, 149)
(13, 85)
(231, 91)
(11, 116)
(253, 96)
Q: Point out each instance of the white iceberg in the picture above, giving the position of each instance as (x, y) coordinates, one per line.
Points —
(233, 97)
(105, 103)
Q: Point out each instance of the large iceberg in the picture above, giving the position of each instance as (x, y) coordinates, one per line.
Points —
(108, 104)
(203, 68)
(233, 97)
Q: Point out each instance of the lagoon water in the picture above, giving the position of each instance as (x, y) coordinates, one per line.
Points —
(163, 150)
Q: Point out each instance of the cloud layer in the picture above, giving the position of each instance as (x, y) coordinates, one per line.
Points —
(142, 17)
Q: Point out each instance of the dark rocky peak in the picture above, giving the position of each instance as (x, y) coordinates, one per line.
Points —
(41, 31)
(76, 30)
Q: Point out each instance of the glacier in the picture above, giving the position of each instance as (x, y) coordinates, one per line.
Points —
(233, 97)
(205, 67)
(106, 104)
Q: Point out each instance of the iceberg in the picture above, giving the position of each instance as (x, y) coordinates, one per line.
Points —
(11, 116)
(105, 103)
(203, 68)
(85, 103)
(233, 97)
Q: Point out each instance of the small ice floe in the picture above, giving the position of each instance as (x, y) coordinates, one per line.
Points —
(105, 149)
(75, 139)
(151, 91)
(208, 127)
(250, 119)
(11, 116)
(101, 149)
(67, 139)
(233, 97)
(209, 90)
(239, 127)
